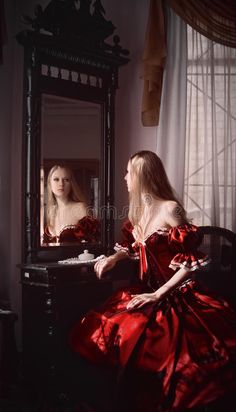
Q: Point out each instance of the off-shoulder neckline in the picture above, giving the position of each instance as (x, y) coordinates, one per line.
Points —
(68, 227)
(160, 231)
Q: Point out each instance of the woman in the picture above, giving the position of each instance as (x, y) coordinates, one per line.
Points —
(173, 342)
(66, 214)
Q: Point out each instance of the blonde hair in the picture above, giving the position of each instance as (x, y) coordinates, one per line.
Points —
(75, 193)
(148, 177)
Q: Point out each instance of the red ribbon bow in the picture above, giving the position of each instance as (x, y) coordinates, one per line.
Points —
(143, 264)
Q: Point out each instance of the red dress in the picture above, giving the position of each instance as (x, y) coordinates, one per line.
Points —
(188, 339)
(87, 229)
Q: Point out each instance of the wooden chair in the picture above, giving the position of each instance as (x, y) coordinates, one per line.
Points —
(220, 275)
(220, 244)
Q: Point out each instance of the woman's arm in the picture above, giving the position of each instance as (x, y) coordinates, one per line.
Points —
(109, 262)
(138, 301)
(174, 216)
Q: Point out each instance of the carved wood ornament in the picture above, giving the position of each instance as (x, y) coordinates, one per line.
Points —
(65, 54)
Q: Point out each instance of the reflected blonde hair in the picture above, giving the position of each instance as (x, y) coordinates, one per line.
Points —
(75, 194)
(148, 178)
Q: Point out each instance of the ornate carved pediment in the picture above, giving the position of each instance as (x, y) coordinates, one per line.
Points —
(80, 20)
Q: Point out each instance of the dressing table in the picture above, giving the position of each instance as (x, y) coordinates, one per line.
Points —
(70, 81)
(54, 296)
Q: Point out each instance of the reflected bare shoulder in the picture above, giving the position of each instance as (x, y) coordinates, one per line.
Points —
(80, 208)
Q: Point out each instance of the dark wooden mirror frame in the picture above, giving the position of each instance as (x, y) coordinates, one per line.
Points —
(85, 71)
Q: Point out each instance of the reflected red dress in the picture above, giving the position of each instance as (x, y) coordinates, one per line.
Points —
(87, 229)
(188, 339)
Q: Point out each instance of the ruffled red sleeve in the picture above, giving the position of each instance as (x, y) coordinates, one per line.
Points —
(127, 241)
(88, 229)
(185, 240)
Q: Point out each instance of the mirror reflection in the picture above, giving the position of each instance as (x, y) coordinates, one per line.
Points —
(70, 171)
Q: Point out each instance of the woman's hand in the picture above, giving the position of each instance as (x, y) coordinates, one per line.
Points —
(103, 265)
(138, 301)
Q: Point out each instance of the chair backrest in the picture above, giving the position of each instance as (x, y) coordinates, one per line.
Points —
(220, 244)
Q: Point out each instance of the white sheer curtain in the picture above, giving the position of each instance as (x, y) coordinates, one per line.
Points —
(172, 123)
(210, 155)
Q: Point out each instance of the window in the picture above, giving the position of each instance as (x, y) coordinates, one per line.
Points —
(210, 158)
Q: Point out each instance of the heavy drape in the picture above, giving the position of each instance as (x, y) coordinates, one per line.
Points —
(153, 62)
(215, 19)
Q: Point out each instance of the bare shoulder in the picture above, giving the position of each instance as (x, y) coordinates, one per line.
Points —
(80, 208)
(175, 213)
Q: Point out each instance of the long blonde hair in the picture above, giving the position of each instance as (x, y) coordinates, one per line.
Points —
(148, 177)
(75, 193)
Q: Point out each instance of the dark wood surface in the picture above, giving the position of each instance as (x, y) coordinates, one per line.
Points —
(54, 297)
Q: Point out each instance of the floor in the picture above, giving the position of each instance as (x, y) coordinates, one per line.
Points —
(19, 399)
(89, 395)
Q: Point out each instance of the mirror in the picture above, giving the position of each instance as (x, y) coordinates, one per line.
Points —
(71, 135)
(70, 81)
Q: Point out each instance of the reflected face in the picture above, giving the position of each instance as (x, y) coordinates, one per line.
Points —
(60, 183)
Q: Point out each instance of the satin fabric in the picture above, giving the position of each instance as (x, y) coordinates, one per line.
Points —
(87, 229)
(186, 342)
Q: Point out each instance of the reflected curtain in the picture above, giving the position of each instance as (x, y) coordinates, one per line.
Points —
(210, 172)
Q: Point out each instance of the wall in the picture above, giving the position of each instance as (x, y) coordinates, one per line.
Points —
(130, 19)
(10, 162)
